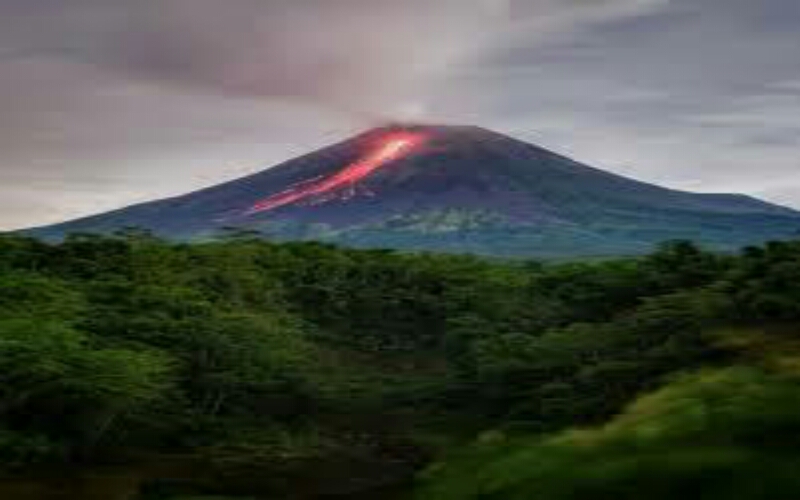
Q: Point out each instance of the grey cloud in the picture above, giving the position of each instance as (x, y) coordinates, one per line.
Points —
(357, 54)
(348, 53)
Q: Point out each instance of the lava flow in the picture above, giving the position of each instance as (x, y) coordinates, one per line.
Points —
(390, 148)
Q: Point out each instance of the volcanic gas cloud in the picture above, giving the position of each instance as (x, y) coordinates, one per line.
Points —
(388, 148)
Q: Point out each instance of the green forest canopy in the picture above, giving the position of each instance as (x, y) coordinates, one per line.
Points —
(300, 357)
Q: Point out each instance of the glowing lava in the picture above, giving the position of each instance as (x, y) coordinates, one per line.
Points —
(390, 148)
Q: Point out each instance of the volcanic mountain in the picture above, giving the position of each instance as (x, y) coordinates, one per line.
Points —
(458, 189)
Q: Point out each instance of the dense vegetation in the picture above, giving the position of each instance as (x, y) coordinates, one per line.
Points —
(302, 370)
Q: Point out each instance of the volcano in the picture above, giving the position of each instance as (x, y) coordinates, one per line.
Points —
(454, 189)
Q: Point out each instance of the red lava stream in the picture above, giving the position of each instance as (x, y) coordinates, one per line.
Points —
(390, 148)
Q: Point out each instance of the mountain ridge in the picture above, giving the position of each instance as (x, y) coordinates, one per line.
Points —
(503, 197)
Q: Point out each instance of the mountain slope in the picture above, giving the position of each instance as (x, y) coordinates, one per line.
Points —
(454, 189)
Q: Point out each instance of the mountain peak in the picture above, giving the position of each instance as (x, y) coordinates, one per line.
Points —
(433, 128)
(435, 131)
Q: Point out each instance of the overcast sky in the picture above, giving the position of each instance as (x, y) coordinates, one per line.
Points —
(104, 103)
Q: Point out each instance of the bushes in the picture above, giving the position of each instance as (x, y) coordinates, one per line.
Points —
(62, 393)
(729, 435)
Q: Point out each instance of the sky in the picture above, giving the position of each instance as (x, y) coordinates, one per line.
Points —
(105, 103)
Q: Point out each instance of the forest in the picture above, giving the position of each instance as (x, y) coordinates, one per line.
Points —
(136, 368)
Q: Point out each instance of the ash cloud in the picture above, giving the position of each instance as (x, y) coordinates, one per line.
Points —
(364, 56)
(354, 54)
